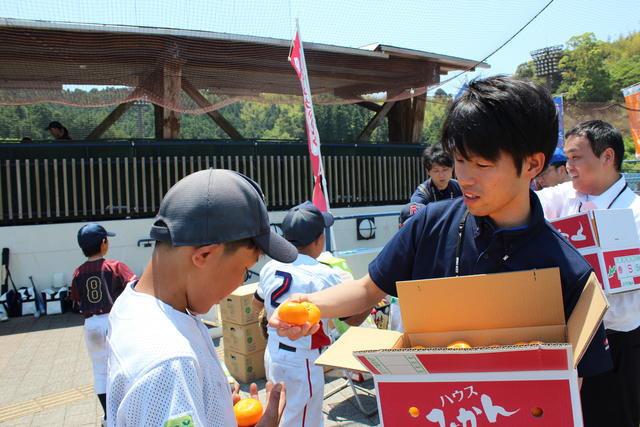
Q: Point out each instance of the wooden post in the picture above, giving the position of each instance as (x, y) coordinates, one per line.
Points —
(417, 121)
(158, 120)
(171, 85)
(375, 121)
(218, 118)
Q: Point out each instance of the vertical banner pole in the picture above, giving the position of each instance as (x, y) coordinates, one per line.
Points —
(320, 197)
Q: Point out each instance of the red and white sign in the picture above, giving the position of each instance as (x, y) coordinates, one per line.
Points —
(577, 229)
(612, 248)
(527, 386)
(296, 58)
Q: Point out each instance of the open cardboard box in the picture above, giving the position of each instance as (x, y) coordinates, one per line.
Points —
(523, 385)
(608, 240)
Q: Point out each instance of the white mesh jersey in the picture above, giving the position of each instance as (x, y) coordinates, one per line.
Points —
(162, 367)
(278, 281)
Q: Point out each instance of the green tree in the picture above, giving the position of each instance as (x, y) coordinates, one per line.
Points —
(584, 74)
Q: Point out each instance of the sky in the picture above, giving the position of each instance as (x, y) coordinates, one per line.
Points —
(470, 29)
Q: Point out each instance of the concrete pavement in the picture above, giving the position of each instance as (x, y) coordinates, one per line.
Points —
(45, 378)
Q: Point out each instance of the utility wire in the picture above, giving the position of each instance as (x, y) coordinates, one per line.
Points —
(497, 49)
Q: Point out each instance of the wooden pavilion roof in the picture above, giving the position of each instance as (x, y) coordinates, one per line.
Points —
(41, 54)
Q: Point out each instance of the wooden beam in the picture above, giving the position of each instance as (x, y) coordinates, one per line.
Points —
(370, 106)
(109, 120)
(218, 118)
(417, 117)
(375, 121)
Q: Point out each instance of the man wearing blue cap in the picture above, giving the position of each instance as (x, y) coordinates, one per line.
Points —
(95, 286)
(555, 173)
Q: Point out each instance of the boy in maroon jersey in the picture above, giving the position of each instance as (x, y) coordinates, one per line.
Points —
(95, 286)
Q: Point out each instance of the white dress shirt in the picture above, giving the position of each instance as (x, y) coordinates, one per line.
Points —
(563, 200)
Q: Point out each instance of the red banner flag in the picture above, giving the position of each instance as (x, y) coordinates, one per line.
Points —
(632, 99)
(319, 183)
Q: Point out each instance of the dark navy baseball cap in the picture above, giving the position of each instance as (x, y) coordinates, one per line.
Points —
(305, 223)
(408, 211)
(218, 206)
(91, 235)
(54, 125)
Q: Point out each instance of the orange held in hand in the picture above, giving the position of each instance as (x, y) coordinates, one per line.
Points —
(248, 412)
(299, 313)
(313, 312)
(459, 344)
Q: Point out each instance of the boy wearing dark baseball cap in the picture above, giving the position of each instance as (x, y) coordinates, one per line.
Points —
(211, 228)
(292, 362)
(95, 286)
(285, 360)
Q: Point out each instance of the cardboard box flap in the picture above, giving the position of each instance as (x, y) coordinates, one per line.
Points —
(485, 301)
(340, 353)
(248, 289)
(586, 317)
(613, 227)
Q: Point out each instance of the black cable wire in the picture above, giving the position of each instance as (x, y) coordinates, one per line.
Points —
(497, 49)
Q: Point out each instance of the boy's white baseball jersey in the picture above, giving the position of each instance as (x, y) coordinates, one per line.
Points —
(163, 368)
(292, 362)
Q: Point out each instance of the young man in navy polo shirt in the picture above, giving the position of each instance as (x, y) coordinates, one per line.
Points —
(501, 133)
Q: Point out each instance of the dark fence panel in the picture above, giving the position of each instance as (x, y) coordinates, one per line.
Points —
(63, 182)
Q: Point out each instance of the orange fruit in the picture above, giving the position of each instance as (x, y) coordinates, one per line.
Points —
(459, 344)
(537, 412)
(521, 343)
(493, 345)
(294, 313)
(313, 312)
(414, 412)
(248, 412)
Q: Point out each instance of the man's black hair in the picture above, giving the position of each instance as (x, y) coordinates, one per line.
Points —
(93, 250)
(601, 135)
(501, 114)
(435, 154)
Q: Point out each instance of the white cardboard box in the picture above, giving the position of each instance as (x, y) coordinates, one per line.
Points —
(534, 384)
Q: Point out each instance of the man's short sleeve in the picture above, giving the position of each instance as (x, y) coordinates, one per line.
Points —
(75, 296)
(395, 261)
(172, 390)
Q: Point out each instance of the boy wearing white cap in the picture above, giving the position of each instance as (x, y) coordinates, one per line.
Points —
(211, 228)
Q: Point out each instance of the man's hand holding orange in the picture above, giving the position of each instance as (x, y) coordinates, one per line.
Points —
(293, 323)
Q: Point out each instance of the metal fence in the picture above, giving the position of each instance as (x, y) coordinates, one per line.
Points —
(34, 189)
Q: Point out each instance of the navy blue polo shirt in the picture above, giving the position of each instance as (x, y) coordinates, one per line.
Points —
(425, 247)
(427, 192)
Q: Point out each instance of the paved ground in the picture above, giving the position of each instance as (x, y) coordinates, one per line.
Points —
(45, 378)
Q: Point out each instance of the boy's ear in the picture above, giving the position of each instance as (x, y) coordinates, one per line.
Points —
(202, 254)
(533, 165)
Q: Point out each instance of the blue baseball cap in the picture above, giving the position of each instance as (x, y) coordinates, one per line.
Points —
(558, 156)
(91, 235)
(305, 223)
